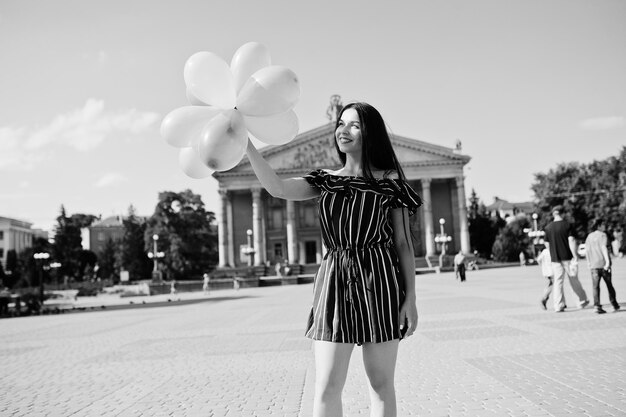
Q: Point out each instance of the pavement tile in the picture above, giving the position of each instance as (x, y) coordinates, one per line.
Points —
(483, 348)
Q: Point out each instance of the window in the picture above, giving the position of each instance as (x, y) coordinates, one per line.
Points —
(310, 252)
(1, 234)
(276, 218)
(278, 250)
(101, 236)
(309, 219)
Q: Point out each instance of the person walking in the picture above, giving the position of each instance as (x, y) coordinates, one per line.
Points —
(560, 236)
(206, 282)
(459, 266)
(364, 290)
(545, 262)
(599, 263)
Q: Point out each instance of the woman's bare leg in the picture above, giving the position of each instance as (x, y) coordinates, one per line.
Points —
(380, 365)
(331, 370)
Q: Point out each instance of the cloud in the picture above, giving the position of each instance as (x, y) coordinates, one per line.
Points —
(602, 123)
(12, 155)
(85, 128)
(110, 179)
(82, 129)
(103, 57)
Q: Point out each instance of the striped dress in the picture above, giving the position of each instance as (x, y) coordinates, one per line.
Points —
(358, 290)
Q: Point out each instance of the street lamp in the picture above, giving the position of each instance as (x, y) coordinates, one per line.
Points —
(249, 251)
(442, 238)
(40, 257)
(54, 266)
(534, 233)
(155, 255)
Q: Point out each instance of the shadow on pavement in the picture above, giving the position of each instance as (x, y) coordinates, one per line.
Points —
(170, 302)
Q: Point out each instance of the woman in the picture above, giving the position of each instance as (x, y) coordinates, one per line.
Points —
(364, 291)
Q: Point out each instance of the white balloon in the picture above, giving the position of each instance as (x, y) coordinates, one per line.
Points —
(273, 130)
(269, 91)
(192, 165)
(183, 125)
(247, 60)
(209, 79)
(193, 100)
(223, 141)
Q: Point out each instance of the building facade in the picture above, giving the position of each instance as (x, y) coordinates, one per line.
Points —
(15, 235)
(95, 237)
(287, 231)
(505, 209)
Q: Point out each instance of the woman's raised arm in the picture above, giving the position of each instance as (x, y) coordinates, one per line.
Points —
(288, 189)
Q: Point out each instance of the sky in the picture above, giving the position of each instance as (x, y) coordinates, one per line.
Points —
(84, 85)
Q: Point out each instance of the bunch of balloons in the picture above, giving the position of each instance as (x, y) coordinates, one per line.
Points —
(228, 102)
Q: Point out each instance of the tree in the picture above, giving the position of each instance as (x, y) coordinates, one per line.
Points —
(512, 240)
(586, 191)
(87, 260)
(11, 260)
(29, 269)
(185, 234)
(106, 262)
(12, 273)
(483, 228)
(133, 255)
(68, 242)
(3, 277)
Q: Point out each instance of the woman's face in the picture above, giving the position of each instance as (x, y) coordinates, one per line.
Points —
(348, 132)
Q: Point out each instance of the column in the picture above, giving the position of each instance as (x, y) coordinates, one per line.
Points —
(429, 234)
(257, 226)
(222, 230)
(292, 240)
(460, 188)
(230, 232)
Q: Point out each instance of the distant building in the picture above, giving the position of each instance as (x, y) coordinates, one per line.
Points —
(289, 231)
(504, 209)
(95, 236)
(16, 235)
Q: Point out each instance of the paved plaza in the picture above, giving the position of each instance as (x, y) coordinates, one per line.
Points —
(483, 348)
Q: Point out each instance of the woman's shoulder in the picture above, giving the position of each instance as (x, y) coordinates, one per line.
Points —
(330, 171)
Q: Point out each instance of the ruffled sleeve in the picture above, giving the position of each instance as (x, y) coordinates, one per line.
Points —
(405, 196)
(316, 178)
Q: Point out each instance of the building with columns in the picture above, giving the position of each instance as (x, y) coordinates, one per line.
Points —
(288, 231)
(17, 235)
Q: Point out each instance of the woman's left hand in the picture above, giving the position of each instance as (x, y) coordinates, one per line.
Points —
(408, 317)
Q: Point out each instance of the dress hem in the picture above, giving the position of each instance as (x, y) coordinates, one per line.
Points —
(322, 338)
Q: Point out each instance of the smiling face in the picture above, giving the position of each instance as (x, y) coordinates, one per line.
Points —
(348, 133)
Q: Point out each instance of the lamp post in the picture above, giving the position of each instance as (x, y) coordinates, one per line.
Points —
(40, 257)
(534, 233)
(54, 266)
(442, 238)
(155, 255)
(250, 249)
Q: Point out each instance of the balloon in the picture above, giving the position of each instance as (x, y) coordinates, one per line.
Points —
(247, 60)
(274, 130)
(192, 165)
(193, 100)
(223, 141)
(183, 125)
(209, 78)
(269, 91)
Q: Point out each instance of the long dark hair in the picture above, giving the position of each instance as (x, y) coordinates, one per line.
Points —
(378, 153)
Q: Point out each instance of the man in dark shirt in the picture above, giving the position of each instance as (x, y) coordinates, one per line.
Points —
(564, 259)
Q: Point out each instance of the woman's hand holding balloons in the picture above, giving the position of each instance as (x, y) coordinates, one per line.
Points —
(228, 102)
